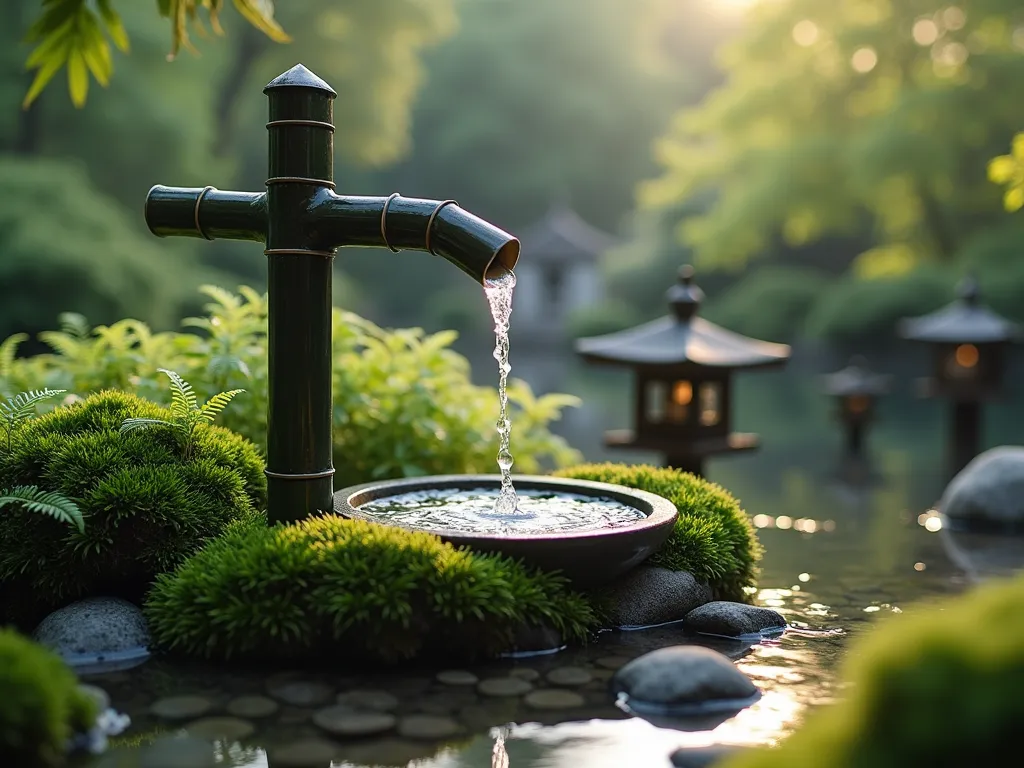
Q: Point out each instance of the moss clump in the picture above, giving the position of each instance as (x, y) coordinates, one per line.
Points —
(351, 589)
(712, 538)
(146, 507)
(41, 707)
(939, 687)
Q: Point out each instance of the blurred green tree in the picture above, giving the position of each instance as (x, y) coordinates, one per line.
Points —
(850, 116)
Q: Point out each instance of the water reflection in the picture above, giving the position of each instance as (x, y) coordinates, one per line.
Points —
(844, 548)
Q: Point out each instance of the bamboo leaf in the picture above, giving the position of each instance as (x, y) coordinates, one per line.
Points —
(43, 77)
(260, 13)
(115, 27)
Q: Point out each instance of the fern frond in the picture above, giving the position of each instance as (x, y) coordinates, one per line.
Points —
(133, 424)
(183, 397)
(49, 503)
(23, 405)
(212, 407)
(74, 325)
(8, 350)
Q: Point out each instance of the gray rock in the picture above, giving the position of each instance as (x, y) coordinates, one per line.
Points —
(99, 634)
(988, 490)
(649, 595)
(702, 757)
(732, 619)
(684, 680)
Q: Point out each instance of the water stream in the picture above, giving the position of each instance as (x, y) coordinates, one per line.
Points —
(499, 291)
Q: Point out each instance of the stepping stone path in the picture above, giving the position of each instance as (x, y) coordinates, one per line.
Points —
(445, 702)
(504, 686)
(304, 753)
(374, 701)
(301, 693)
(554, 698)
(569, 677)
(457, 677)
(252, 706)
(181, 707)
(428, 727)
(525, 673)
(613, 662)
(217, 728)
(342, 721)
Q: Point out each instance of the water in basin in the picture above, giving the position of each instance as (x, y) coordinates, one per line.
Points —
(473, 510)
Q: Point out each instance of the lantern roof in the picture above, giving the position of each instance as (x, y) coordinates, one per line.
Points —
(856, 379)
(562, 236)
(682, 337)
(964, 321)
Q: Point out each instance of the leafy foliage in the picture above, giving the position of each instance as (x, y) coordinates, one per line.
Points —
(859, 310)
(355, 589)
(186, 413)
(66, 245)
(146, 507)
(15, 411)
(42, 706)
(404, 403)
(713, 539)
(44, 503)
(841, 116)
(74, 34)
(925, 688)
(770, 303)
(1008, 170)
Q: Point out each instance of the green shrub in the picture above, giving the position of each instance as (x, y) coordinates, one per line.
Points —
(769, 303)
(864, 310)
(937, 686)
(404, 402)
(103, 263)
(351, 589)
(41, 707)
(146, 507)
(712, 538)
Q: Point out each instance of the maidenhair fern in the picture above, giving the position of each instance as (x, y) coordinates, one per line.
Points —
(18, 409)
(186, 413)
(50, 503)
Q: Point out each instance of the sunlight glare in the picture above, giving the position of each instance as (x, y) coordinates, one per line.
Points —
(805, 33)
(864, 59)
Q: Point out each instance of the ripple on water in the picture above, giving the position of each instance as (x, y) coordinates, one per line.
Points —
(472, 511)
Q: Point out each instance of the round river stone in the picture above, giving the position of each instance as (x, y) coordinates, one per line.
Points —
(569, 676)
(302, 693)
(178, 752)
(504, 686)
(525, 673)
(181, 707)
(97, 694)
(252, 706)
(217, 728)
(457, 677)
(613, 662)
(553, 698)
(342, 721)
(427, 727)
(304, 753)
(372, 700)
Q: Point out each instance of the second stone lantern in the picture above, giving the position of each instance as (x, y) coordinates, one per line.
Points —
(683, 366)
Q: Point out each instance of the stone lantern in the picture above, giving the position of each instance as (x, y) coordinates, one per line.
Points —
(682, 366)
(856, 390)
(968, 344)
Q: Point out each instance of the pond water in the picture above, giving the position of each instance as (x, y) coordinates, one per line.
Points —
(844, 548)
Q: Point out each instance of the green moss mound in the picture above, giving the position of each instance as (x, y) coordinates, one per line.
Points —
(712, 539)
(352, 589)
(146, 508)
(41, 707)
(938, 686)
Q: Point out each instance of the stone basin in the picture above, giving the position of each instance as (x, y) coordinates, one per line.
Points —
(587, 557)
